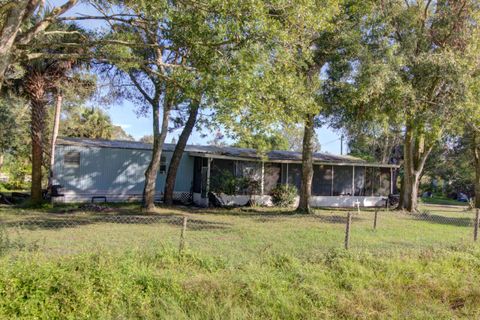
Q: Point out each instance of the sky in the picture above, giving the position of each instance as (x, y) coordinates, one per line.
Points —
(124, 114)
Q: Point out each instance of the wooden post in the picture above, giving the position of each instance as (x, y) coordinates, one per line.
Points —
(475, 227)
(347, 230)
(375, 220)
(182, 236)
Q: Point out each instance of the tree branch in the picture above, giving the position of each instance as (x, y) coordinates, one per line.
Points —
(42, 25)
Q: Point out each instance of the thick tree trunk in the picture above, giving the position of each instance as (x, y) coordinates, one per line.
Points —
(476, 154)
(159, 135)
(415, 157)
(37, 129)
(1, 161)
(307, 166)
(178, 152)
(56, 126)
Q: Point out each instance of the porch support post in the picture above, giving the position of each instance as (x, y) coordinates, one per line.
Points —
(262, 183)
(207, 189)
(331, 187)
(391, 180)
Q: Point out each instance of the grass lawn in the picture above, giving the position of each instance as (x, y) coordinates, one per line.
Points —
(238, 263)
(443, 201)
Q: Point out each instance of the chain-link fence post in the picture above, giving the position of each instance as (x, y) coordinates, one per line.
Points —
(475, 226)
(182, 235)
(347, 230)
(375, 220)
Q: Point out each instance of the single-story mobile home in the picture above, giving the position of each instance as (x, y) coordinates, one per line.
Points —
(89, 168)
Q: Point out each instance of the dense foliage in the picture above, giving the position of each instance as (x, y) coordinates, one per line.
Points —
(284, 195)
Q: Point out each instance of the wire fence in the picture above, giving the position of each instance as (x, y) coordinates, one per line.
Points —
(236, 234)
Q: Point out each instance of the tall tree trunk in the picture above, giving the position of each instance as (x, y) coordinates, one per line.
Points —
(307, 166)
(1, 161)
(178, 152)
(415, 156)
(56, 126)
(159, 135)
(37, 129)
(476, 154)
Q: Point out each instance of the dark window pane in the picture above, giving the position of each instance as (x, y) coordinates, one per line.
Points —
(342, 180)
(197, 175)
(163, 165)
(322, 181)
(72, 159)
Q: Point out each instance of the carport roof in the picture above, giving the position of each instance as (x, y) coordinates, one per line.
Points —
(224, 152)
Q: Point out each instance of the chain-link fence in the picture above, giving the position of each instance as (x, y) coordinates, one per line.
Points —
(234, 234)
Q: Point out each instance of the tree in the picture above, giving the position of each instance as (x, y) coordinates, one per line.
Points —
(41, 78)
(10, 125)
(413, 71)
(88, 122)
(146, 139)
(178, 152)
(173, 44)
(18, 29)
(336, 41)
(275, 141)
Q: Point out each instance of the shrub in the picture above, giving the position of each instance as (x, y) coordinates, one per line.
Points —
(284, 195)
(226, 182)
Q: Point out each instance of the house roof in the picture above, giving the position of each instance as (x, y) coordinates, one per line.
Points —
(218, 151)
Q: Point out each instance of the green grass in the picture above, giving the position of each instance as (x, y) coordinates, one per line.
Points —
(440, 200)
(238, 264)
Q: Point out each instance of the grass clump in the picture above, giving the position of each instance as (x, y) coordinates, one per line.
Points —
(439, 284)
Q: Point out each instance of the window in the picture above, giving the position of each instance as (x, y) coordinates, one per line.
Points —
(163, 165)
(72, 159)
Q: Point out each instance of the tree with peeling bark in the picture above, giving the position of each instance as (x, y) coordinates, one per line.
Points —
(17, 29)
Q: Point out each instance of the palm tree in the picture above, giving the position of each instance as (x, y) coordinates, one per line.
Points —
(41, 81)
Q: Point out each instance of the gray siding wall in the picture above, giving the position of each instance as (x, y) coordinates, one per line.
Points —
(114, 171)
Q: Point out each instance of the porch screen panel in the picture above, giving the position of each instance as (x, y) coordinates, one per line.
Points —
(283, 174)
(322, 181)
(342, 180)
(271, 176)
(251, 170)
(295, 175)
(369, 181)
(220, 169)
(359, 181)
(197, 175)
(221, 166)
(382, 182)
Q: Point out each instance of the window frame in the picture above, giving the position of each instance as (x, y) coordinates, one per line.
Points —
(72, 159)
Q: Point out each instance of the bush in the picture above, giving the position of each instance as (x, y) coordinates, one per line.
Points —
(226, 182)
(284, 195)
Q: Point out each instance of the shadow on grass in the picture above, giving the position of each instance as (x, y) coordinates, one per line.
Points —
(56, 221)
